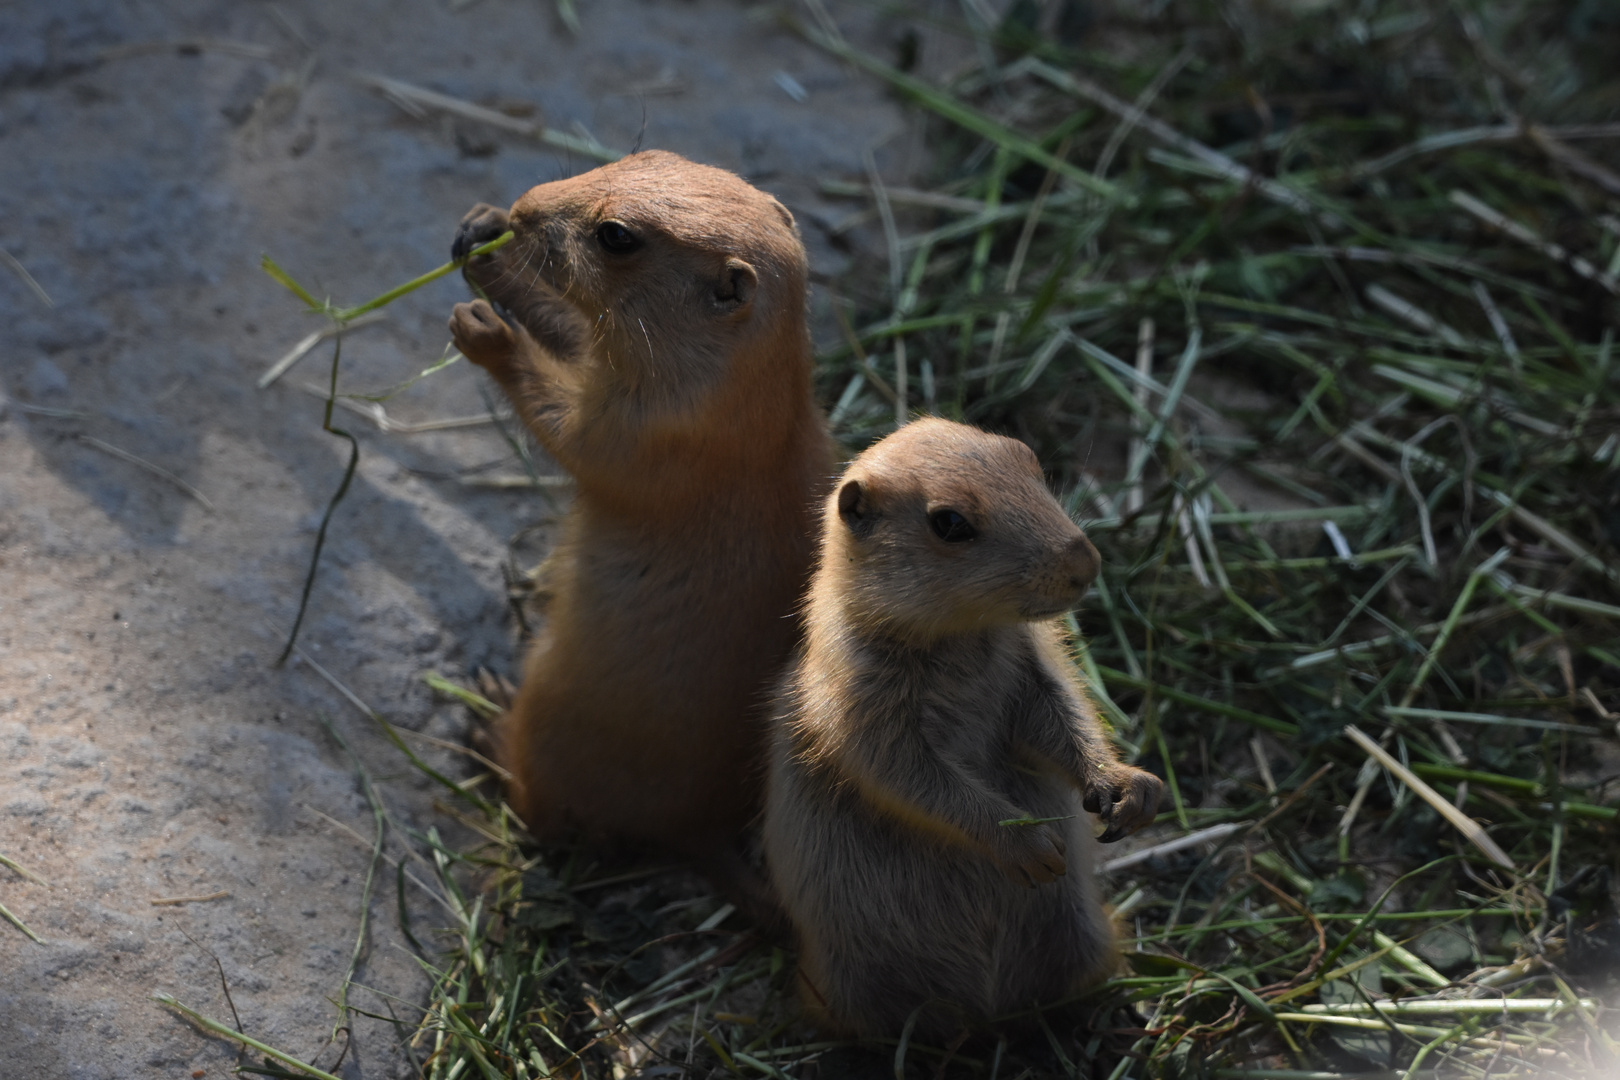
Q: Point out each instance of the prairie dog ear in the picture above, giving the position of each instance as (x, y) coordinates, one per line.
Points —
(734, 291)
(855, 507)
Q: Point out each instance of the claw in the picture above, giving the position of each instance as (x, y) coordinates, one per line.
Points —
(482, 224)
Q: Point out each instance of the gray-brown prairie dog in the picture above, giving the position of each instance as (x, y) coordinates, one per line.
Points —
(930, 703)
(655, 343)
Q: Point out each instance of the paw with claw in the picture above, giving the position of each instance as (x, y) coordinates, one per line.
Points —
(1033, 855)
(482, 224)
(483, 337)
(1124, 798)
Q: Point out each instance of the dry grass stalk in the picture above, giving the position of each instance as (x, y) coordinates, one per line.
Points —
(155, 470)
(1471, 829)
(175, 901)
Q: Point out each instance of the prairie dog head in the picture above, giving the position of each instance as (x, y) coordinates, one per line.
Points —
(942, 528)
(654, 263)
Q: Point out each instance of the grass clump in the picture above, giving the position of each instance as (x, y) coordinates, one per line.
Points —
(1310, 309)
(1312, 314)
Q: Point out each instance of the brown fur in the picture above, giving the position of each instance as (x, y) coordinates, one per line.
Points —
(673, 382)
(932, 700)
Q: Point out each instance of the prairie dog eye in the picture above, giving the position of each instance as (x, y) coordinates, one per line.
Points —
(951, 526)
(616, 239)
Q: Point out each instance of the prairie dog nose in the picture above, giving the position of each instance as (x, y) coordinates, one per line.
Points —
(1082, 562)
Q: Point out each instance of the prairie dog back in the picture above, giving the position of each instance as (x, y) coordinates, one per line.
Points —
(930, 709)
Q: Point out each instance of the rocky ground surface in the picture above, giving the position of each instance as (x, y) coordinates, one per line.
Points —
(149, 749)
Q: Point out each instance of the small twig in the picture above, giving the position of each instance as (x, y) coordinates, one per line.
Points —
(378, 415)
(862, 360)
(619, 879)
(478, 703)
(17, 868)
(1450, 140)
(5, 913)
(362, 935)
(224, 984)
(1026, 235)
(1499, 325)
(57, 414)
(1136, 458)
(905, 1040)
(302, 349)
(1573, 160)
(28, 279)
(903, 196)
(891, 234)
(502, 483)
(1139, 107)
(231, 1033)
(891, 239)
(1552, 533)
(963, 115)
(1530, 238)
(398, 864)
(1292, 798)
(173, 901)
(407, 96)
(1214, 159)
(1446, 1007)
(392, 735)
(1412, 314)
(1424, 528)
(1170, 847)
(1460, 821)
(824, 20)
(162, 473)
(1452, 621)
(331, 505)
(1258, 749)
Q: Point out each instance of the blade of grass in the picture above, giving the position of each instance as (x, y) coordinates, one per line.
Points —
(1462, 823)
(962, 115)
(231, 1033)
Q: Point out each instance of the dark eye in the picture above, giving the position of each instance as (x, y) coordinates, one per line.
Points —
(616, 239)
(951, 527)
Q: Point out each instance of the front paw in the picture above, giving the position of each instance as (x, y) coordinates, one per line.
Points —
(482, 224)
(1125, 798)
(482, 336)
(1034, 856)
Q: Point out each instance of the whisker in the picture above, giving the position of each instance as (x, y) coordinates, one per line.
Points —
(650, 360)
(512, 274)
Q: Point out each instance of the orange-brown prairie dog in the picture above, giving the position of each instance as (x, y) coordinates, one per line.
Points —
(648, 324)
(930, 705)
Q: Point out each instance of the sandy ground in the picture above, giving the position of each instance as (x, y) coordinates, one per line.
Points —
(148, 747)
